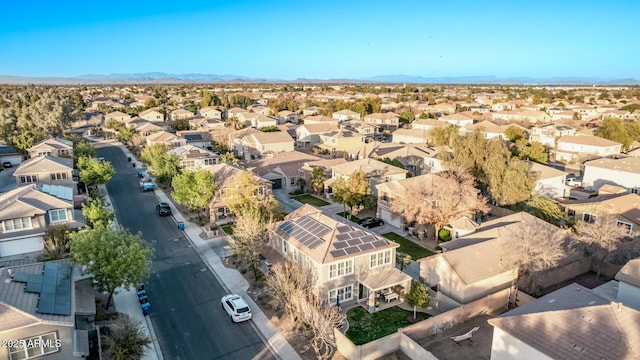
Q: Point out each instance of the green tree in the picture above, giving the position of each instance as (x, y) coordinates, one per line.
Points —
(94, 171)
(617, 130)
(164, 166)
(56, 240)
(151, 102)
(514, 133)
(115, 257)
(125, 340)
(84, 148)
(543, 207)
(271, 128)
(125, 134)
(247, 197)
(317, 179)
(418, 296)
(96, 214)
(229, 158)
(403, 259)
(352, 191)
(407, 116)
(444, 135)
(234, 123)
(395, 162)
(577, 116)
(194, 189)
(180, 125)
(511, 182)
(534, 151)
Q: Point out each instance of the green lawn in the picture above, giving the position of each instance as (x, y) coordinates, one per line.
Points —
(365, 327)
(408, 247)
(343, 214)
(310, 199)
(228, 229)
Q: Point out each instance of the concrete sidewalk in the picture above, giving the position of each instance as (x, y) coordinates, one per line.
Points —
(230, 279)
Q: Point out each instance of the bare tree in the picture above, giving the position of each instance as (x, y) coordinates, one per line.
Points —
(440, 199)
(321, 319)
(249, 232)
(287, 283)
(530, 247)
(604, 234)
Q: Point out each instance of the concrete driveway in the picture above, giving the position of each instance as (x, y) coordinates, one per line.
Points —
(7, 181)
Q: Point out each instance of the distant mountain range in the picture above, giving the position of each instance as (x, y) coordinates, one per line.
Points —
(163, 78)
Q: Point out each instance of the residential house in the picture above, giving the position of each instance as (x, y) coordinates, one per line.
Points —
(427, 124)
(350, 263)
(618, 114)
(387, 121)
(340, 141)
(417, 159)
(169, 140)
(624, 172)
(572, 323)
(502, 106)
(345, 115)
(152, 114)
(286, 116)
(118, 116)
(320, 119)
(237, 113)
(586, 112)
(203, 123)
(45, 170)
(145, 128)
(575, 148)
(369, 131)
(489, 129)
(282, 169)
(442, 108)
(251, 143)
(181, 114)
(310, 111)
(506, 115)
(411, 136)
(225, 175)
(26, 213)
(534, 116)
(304, 172)
(629, 284)
(261, 121)
(48, 309)
(550, 182)
(52, 147)
(194, 157)
(560, 114)
(309, 134)
(625, 208)
(212, 113)
(459, 120)
(199, 138)
(375, 171)
(261, 109)
(547, 134)
(473, 265)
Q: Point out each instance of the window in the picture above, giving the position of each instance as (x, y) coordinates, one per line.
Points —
(44, 153)
(58, 215)
(627, 225)
(58, 176)
(341, 294)
(295, 254)
(35, 346)
(284, 247)
(571, 214)
(17, 224)
(380, 258)
(635, 191)
(209, 161)
(341, 269)
(292, 181)
(589, 218)
(28, 179)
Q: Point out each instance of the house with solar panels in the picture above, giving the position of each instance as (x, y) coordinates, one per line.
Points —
(45, 313)
(351, 264)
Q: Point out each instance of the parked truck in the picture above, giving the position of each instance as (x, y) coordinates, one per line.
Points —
(146, 185)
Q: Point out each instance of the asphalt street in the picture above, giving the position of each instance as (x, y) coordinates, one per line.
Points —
(185, 296)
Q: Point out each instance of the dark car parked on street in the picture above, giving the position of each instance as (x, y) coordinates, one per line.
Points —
(163, 209)
(370, 222)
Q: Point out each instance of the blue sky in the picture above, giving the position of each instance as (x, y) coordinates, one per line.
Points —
(322, 39)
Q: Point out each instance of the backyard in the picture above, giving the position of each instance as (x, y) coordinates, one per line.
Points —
(365, 327)
(310, 199)
(408, 247)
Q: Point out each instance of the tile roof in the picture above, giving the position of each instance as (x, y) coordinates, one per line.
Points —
(575, 323)
(27, 201)
(326, 237)
(544, 171)
(275, 137)
(630, 273)
(627, 205)
(371, 168)
(587, 140)
(627, 164)
(40, 164)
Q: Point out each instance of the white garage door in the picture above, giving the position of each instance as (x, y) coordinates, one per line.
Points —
(21, 246)
(15, 160)
(389, 218)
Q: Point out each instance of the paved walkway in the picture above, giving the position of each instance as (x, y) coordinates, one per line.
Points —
(231, 280)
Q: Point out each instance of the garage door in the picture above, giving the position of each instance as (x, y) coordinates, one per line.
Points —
(15, 160)
(389, 218)
(21, 246)
(277, 183)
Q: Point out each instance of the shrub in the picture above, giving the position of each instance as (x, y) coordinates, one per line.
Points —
(444, 235)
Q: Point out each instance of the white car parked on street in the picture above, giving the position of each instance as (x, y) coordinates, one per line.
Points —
(237, 309)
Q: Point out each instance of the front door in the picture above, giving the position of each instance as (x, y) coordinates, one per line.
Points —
(363, 292)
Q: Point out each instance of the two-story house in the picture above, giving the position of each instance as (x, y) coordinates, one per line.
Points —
(350, 263)
(26, 212)
(375, 171)
(118, 116)
(193, 158)
(212, 113)
(489, 129)
(575, 148)
(417, 159)
(152, 114)
(167, 139)
(345, 115)
(387, 121)
(548, 134)
(251, 143)
(309, 134)
(259, 121)
(339, 141)
(624, 172)
(625, 208)
(320, 119)
(286, 116)
(181, 114)
(368, 130)
(52, 147)
(550, 182)
(225, 175)
(199, 138)
(459, 120)
(629, 284)
(411, 136)
(282, 169)
(45, 170)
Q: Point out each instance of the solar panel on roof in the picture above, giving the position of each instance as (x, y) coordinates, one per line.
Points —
(352, 250)
(340, 245)
(337, 253)
(365, 247)
(379, 243)
(55, 294)
(343, 229)
(342, 237)
(356, 234)
(368, 239)
(286, 227)
(354, 242)
(314, 244)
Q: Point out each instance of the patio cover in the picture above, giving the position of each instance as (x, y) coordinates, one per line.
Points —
(379, 280)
